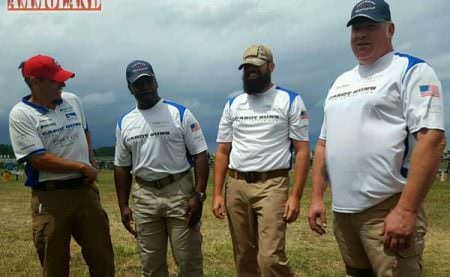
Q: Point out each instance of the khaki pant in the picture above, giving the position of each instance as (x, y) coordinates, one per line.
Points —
(362, 247)
(160, 215)
(59, 214)
(257, 229)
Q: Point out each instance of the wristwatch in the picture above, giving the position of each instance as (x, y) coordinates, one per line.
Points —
(200, 195)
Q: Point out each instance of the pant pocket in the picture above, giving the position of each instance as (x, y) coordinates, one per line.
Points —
(94, 187)
(106, 216)
(135, 191)
(409, 261)
(39, 206)
(41, 228)
(186, 187)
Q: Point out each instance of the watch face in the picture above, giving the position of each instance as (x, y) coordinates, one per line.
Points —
(201, 196)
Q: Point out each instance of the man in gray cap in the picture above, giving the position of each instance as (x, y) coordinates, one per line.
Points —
(258, 130)
(156, 142)
(382, 158)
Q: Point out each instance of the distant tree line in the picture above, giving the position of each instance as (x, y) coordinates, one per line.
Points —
(106, 151)
(6, 150)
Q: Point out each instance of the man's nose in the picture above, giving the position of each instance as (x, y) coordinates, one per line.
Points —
(360, 34)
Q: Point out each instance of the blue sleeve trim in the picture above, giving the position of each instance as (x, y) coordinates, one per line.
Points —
(119, 122)
(292, 94)
(180, 108)
(24, 159)
(412, 61)
(231, 98)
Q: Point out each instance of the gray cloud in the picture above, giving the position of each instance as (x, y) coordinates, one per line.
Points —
(195, 47)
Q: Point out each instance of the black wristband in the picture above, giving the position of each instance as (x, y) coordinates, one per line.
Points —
(201, 196)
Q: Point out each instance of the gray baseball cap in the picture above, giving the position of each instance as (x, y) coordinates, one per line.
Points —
(137, 69)
(376, 10)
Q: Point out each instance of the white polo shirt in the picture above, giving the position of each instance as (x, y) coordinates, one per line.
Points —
(371, 113)
(157, 142)
(260, 128)
(35, 129)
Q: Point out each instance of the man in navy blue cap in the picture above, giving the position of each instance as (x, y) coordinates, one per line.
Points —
(155, 143)
(370, 10)
(381, 160)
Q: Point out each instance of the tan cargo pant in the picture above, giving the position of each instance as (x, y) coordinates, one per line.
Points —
(258, 232)
(160, 215)
(59, 214)
(362, 248)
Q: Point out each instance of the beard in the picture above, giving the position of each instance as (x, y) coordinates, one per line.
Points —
(147, 99)
(256, 85)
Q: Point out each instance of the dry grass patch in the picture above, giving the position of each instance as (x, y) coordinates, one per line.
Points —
(309, 254)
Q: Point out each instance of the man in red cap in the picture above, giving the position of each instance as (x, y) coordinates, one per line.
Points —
(49, 133)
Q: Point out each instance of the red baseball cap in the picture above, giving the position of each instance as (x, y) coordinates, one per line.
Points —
(41, 66)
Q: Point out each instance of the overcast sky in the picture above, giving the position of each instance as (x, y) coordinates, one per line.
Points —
(196, 46)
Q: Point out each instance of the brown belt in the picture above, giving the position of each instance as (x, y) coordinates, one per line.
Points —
(60, 184)
(163, 181)
(253, 177)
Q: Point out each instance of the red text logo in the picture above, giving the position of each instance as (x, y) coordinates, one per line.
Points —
(54, 5)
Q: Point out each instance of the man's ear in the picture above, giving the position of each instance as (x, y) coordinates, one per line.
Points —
(391, 30)
(130, 88)
(33, 81)
(271, 67)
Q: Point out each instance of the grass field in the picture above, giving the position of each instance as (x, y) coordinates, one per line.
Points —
(309, 254)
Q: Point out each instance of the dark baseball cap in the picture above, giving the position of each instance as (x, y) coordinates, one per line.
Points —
(41, 66)
(375, 10)
(137, 69)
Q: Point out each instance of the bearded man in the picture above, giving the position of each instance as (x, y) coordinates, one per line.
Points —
(258, 130)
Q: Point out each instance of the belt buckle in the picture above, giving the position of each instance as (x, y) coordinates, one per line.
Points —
(250, 177)
(158, 184)
(50, 185)
(164, 181)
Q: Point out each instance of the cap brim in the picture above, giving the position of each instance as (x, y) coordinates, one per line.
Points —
(134, 78)
(63, 75)
(364, 16)
(252, 61)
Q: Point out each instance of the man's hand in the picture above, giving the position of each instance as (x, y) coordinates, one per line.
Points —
(399, 226)
(127, 219)
(291, 209)
(194, 210)
(218, 206)
(89, 174)
(317, 211)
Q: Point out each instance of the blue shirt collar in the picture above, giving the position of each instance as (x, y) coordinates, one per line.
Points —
(39, 108)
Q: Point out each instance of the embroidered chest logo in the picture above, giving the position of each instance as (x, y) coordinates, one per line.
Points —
(71, 115)
(366, 90)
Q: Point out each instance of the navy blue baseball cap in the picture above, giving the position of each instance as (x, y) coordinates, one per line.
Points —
(137, 69)
(375, 10)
